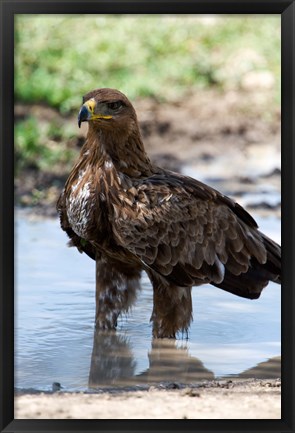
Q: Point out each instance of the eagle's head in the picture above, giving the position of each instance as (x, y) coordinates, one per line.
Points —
(106, 110)
(113, 131)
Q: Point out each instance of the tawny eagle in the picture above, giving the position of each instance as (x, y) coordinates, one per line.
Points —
(130, 215)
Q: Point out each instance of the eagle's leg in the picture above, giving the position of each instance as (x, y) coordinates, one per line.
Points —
(172, 310)
(116, 288)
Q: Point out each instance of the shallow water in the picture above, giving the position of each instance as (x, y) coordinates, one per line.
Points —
(55, 340)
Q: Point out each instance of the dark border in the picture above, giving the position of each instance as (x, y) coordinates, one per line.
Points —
(7, 10)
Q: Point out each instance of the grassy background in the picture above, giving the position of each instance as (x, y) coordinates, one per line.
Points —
(60, 58)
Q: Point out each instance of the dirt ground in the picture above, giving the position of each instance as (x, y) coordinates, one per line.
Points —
(248, 399)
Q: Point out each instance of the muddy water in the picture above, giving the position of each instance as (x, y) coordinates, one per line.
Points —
(55, 340)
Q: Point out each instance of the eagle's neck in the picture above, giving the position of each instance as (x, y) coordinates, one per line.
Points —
(101, 179)
(126, 153)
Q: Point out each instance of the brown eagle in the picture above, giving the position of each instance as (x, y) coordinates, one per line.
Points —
(129, 215)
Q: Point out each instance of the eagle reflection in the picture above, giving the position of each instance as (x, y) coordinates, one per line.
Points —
(112, 362)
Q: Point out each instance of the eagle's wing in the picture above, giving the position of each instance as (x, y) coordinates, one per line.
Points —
(190, 234)
(81, 244)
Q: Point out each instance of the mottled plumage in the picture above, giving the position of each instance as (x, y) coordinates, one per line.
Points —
(129, 215)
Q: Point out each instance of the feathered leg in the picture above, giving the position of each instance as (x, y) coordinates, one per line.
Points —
(172, 310)
(116, 288)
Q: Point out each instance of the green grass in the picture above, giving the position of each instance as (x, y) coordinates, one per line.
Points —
(60, 58)
(40, 146)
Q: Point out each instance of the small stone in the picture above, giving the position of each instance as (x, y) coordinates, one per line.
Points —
(190, 392)
(56, 386)
(152, 388)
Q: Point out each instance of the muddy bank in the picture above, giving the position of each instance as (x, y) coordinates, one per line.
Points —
(233, 136)
(247, 399)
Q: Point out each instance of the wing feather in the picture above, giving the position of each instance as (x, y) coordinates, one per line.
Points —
(188, 232)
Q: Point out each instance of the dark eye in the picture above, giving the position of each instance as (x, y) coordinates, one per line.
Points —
(115, 105)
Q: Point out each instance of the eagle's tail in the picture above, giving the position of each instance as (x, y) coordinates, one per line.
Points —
(250, 284)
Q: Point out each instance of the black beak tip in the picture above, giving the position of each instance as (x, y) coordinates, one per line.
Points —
(83, 115)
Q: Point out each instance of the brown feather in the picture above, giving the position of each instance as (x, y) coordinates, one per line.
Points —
(129, 216)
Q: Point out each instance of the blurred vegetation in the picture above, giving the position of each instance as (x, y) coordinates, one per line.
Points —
(60, 58)
(38, 145)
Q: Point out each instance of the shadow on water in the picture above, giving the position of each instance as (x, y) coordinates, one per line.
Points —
(270, 369)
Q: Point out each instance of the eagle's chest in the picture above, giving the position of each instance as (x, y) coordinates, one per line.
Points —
(80, 204)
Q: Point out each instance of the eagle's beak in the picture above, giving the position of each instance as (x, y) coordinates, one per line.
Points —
(87, 112)
(84, 114)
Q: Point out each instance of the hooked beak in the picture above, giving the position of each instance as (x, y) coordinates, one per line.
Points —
(84, 114)
(87, 113)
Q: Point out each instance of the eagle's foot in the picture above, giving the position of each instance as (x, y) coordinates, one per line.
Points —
(106, 321)
(167, 327)
(172, 312)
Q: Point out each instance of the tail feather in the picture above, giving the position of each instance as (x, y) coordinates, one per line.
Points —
(251, 283)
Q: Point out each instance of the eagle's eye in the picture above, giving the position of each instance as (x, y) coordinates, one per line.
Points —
(115, 105)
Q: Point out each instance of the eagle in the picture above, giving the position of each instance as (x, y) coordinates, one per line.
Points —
(131, 216)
